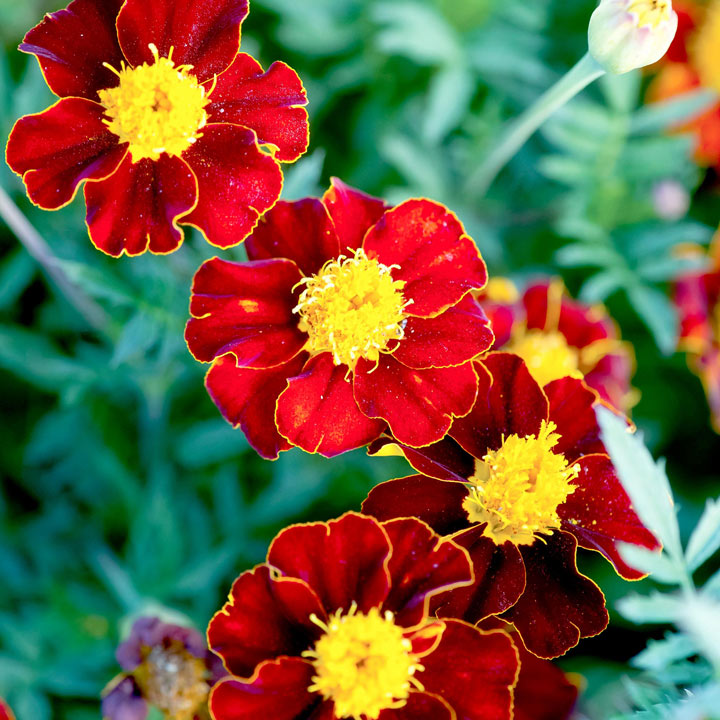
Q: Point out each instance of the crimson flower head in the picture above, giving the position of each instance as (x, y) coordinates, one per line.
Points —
(162, 117)
(337, 626)
(5, 712)
(520, 482)
(349, 317)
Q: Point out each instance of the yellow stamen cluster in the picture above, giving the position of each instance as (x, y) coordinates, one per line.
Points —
(706, 48)
(363, 663)
(517, 489)
(650, 12)
(353, 309)
(157, 108)
(547, 355)
(501, 290)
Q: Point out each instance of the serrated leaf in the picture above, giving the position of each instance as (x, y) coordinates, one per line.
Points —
(705, 539)
(449, 96)
(658, 314)
(653, 608)
(581, 255)
(700, 617)
(655, 563)
(660, 654)
(655, 117)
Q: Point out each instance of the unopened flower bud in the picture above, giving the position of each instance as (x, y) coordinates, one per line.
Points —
(628, 34)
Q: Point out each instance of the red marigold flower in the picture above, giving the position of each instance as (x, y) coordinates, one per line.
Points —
(5, 711)
(337, 625)
(558, 337)
(520, 482)
(349, 316)
(167, 666)
(162, 117)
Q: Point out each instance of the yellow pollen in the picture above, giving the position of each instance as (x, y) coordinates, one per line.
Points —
(547, 355)
(353, 309)
(363, 663)
(517, 489)
(501, 290)
(651, 12)
(706, 47)
(157, 108)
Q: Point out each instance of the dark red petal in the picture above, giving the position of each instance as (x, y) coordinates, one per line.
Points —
(301, 231)
(71, 46)
(5, 712)
(137, 207)
(437, 260)
(237, 183)
(259, 624)
(247, 397)
(599, 514)
(201, 33)
(509, 402)
(422, 566)
(352, 212)
(318, 412)
(436, 502)
(421, 706)
(474, 671)
(452, 338)
(279, 691)
(343, 561)
(499, 579)
(270, 103)
(56, 150)
(246, 309)
(559, 605)
(417, 404)
(502, 320)
(444, 460)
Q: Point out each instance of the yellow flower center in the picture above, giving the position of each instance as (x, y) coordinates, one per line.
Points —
(651, 12)
(501, 290)
(547, 355)
(706, 48)
(363, 663)
(517, 489)
(157, 108)
(353, 309)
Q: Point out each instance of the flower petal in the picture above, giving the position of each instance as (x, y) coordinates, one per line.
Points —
(265, 618)
(509, 402)
(125, 701)
(318, 412)
(56, 150)
(353, 213)
(201, 33)
(247, 397)
(278, 690)
(300, 231)
(419, 405)
(599, 514)
(421, 706)
(452, 338)
(436, 502)
(437, 260)
(559, 605)
(245, 309)
(444, 460)
(137, 207)
(270, 103)
(474, 671)
(422, 565)
(343, 561)
(237, 183)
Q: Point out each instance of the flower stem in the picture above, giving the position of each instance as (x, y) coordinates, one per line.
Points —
(522, 128)
(41, 252)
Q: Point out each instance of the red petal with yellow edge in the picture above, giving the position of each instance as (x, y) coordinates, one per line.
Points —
(56, 150)
(610, 378)
(353, 213)
(444, 460)
(499, 579)
(201, 33)
(136, 208)
(473, 671)
(421, 706)
(452, 338)
(259, 623)
(318, 412)
(278, 690)
(417, 404)
(71, 46)
(599, 514)
(247, 397)
(245, 309)
(436, 502)
(559, 605)
(509, 402)
(422, 565)
(696, 295)
(438, 261)
(300, 231)
(5, 712)
(343, 561)
(237, 183)
(270, 103)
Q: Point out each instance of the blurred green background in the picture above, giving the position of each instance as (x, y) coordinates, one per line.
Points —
(123, 490)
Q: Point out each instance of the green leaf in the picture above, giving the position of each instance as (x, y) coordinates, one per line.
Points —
(705, 539)
(449, 96)
(654, 563)
(658, 313)
(579, 255)
(700, 617)
(655, 117)
(16, 273)
(653, 608)
(660, 654)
